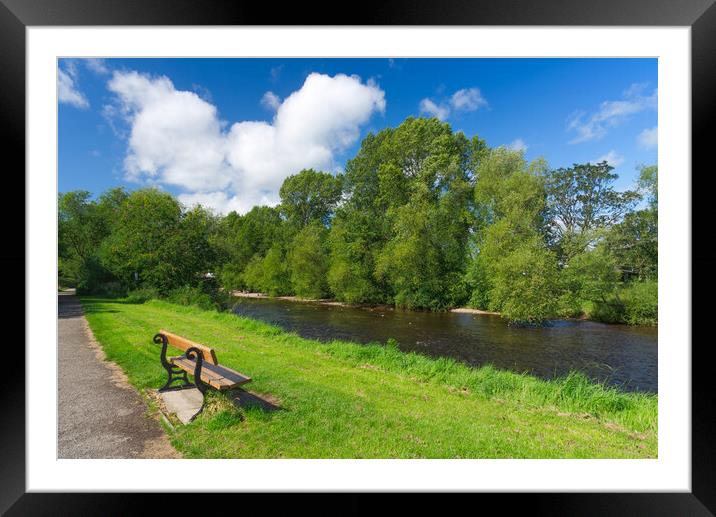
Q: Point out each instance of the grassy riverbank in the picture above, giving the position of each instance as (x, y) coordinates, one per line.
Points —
(343, 400)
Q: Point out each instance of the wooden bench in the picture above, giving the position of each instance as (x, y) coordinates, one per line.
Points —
(198, 360)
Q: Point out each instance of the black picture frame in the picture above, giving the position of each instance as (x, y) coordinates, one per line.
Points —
(700, 15)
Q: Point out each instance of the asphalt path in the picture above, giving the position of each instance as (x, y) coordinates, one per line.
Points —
(100, 415)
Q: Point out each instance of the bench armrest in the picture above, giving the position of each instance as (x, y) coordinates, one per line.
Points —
(196, 355)
(162, 339)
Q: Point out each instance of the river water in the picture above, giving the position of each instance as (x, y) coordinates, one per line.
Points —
(621, 355)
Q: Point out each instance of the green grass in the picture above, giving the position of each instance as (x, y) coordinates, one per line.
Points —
(344, 400)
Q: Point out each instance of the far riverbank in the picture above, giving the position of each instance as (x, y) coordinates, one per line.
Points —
(335, 303)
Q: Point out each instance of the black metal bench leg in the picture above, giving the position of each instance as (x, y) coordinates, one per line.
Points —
(176, 375)
(196, 355)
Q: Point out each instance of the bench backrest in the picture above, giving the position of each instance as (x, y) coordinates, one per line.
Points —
(183, 343)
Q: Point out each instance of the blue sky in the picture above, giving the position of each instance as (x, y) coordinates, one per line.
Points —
(207, 131)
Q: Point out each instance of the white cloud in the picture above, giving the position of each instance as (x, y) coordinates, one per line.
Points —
(67, 92)
(610, 114)
(97, 65)
(223, 203)
(612, 158)
(649, 138)
(270, 101)
(434, 110)
(469, 99)
(518, 145)
(177, 138)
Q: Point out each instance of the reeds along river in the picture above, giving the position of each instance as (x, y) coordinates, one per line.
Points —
(622, 356)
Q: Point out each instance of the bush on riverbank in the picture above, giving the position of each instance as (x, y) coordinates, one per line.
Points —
(207, 297)
(636, 304)
(641, 303)
(346, 400)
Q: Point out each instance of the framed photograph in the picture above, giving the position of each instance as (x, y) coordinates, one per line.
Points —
(417, 251)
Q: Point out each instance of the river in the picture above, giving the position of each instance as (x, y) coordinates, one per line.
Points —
(621, 355)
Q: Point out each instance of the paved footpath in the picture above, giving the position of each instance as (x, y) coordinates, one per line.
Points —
(100, 413)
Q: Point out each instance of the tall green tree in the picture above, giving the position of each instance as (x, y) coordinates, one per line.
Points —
(424, 259)
(238, 239)
(308, 261)
(401, 234)
(634, 241)
(309, 196)
(154, 243)
(511, 269)
(582, 201)
(83, 224)
(80, 228)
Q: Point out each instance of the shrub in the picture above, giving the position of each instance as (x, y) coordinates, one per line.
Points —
(607, 312)
(268, 274)
(641, 305)
(208, 297)
(191, 296)
(525, 285)
(108, 290)
(636, 304)
(142, 295)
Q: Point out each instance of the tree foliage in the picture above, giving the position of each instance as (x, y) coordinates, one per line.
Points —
(269, 274)
(156, 243)
(581, 201)
(308, 262)
(309, 196)
(512, 269)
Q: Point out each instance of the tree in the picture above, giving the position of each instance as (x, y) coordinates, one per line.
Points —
(82, 226)
(268, 274)
(166, 247)
(424, 260)
(238, 238)
(635, 246)
(308, 262)
(634, 241)
(589, 276)
(511, 270)
(309, 196)
(648, 184)
(581, 200)
(401, 234)
(79, 227)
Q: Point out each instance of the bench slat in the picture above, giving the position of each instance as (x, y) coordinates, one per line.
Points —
(184, 344)
(219, 377)
(218, 383)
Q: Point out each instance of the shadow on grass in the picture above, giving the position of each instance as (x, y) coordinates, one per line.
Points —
(94, 304)
(244, 399)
